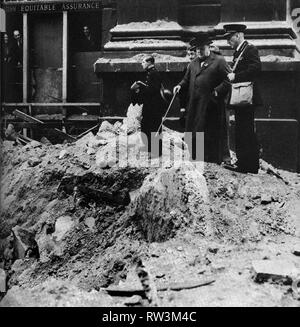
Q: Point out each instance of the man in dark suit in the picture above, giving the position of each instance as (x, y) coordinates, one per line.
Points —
(148, 93)
(17, 49)
(204, 80)
(247, 70)
(88, 43)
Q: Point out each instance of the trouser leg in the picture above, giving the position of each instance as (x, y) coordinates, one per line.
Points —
(246, 142)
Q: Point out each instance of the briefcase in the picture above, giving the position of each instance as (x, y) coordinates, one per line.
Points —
(241, 94)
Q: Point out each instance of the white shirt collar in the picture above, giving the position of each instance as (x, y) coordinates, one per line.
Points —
(239, 47)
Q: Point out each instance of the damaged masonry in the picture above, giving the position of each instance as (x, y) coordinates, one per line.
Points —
(89, 217)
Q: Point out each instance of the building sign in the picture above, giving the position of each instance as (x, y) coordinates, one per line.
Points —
(2, 21)
(51, 6)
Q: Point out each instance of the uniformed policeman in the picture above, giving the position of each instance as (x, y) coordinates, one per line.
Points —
(248, 69)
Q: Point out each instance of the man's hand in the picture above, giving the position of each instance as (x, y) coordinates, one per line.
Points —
(177, 89)
(231, 77)
(182, 118)
(135, 86)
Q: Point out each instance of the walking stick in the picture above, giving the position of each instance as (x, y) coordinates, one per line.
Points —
(167, 112)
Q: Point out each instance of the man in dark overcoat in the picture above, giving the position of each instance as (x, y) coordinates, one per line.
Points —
(191, 54)
(149, 94)
(247, 70)
(204, 80)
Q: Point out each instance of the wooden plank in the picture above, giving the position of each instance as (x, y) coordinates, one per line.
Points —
(52, 104)
(31, 119)
(88, 131)
(129, 291)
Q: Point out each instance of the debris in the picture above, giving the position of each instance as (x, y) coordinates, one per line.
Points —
(269, 169)
(25, 244)
(249, 206)
(277, 271)
(160, 275)
(180, 248)
(296, 251)
(90, 223)
(202, 271)
(147, 283)
(186, 285)
(122, 291)
(10, 133)
(33, 162)
(181, 188)
(63, 154)
(134, 300)
(296, 287)
(31, 119)
(216, 268)
(213, 250)
(2, 281)
(266, 199)
(132, 122)
(87, 132)
(45, 141)
(106, 127)
(54, 293)
(35, 144)
(91, 151)
(62, 226)
(85, 141)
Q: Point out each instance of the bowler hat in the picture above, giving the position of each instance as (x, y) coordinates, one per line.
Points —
(203, 38)
(234, 28)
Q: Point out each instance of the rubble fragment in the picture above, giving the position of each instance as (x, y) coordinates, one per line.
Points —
(134, 300)
(25, 244)
(2, 281)
(274, 270)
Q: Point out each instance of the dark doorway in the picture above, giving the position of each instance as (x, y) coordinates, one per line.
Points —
(83, 84)
(45, 46)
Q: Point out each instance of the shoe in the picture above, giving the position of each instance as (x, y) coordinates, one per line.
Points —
(237, 169)
(229, 166)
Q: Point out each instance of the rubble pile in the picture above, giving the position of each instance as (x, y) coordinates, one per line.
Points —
(72, 213)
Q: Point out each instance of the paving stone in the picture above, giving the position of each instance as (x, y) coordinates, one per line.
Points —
(274, 270)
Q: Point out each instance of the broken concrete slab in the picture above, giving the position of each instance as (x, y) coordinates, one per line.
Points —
(63, 154)
(296, 251)
(181, 188)
(106, 127)
(2, 281)
(283, 271)
(85, 141)
(90, 222)
(33, 162)
(266, 199)
(45, 141)
(24, 241)
(134, 300)
(62, 226)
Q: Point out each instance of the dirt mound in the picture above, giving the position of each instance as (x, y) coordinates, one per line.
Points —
(169, 199)
(54, 293)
